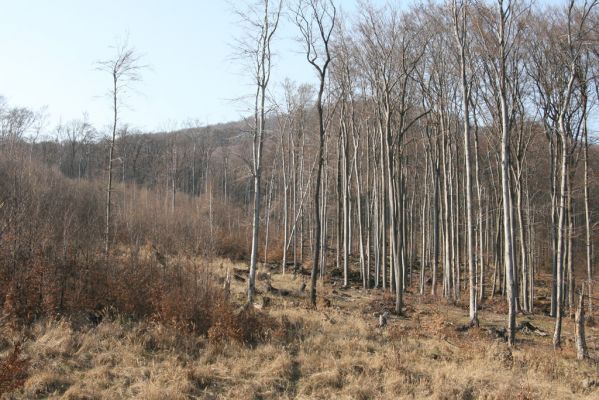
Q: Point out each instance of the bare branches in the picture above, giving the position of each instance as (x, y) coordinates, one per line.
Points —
(15, 122)
(255, 48)
(124, 67)
(260, 21)
(315, 20)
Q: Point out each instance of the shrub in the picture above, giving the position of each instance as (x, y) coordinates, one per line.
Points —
(13, 370)
(52, 260)
(247, 326)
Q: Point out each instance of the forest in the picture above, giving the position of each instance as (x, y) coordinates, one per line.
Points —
(421, 221)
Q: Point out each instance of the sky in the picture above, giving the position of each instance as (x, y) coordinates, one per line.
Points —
(50, 49)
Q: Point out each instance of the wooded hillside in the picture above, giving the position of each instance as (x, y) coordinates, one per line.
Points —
(447, 153)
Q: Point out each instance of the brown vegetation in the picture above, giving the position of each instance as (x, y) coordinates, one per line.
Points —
(51, 262)
(297, 352)
(115, 279)
(152, 321)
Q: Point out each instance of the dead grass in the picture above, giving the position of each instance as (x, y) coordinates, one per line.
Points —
(334, 352)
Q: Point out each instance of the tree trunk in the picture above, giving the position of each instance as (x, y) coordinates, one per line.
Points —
(581, 344)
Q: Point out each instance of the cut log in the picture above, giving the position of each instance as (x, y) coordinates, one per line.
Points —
(383, 319)
(527, 327)
(274, 290)
(302, 287)
(497, 333)
(227, 284)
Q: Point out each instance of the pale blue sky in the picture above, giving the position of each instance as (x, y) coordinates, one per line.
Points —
(49, 49)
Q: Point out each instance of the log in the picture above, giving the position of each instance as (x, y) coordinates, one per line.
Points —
(527, 327)
(383, 319)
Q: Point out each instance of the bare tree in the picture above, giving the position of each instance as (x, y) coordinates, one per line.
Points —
(262, 22)
(316, 21)
(500, 36)
(460, 19)
(504, 21)
(124, 69)
(581, 343)
(14, 123)
(576, 26)
(75, 134)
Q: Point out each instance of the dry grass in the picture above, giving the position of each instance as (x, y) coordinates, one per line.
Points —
(334, 352)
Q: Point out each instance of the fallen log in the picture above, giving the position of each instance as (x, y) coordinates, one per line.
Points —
(274, 290)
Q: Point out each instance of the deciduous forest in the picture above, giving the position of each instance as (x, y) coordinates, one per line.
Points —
(420, 221)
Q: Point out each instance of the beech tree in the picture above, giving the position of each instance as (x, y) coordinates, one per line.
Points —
(500, 32)
(124, 69)
(262, 20)
(316, 20)
(460, 20)
(569, 130)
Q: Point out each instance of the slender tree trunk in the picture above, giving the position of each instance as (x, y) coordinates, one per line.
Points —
(359, 216)
(345, 189)
(570, 251)
(317, 225)
(581, 344)
(268, 207)
(110, 157)
(587, 216)
(436, 228)
(554, 227)
(446, 216)
(522, 240)
(460, 30)
(481, 253)
(508, 227)
(383, 207)
(268, 27)
(423, 225)
(560, 239)
(285, 209)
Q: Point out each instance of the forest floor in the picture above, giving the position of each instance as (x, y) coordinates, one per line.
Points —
(336, 351)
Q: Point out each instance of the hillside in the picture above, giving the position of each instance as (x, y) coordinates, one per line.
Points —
(420, 220)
